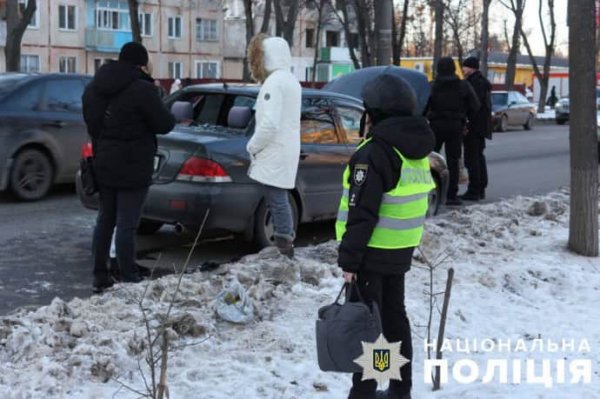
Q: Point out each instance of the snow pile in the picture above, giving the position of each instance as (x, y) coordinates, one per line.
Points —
(514, 280)
(548, 115)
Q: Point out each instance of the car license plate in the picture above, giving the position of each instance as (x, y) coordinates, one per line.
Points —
(156, 163)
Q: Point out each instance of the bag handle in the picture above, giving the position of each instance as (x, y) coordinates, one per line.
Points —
(348, 288)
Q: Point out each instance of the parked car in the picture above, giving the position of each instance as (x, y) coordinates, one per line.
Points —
(562, 108)
(41, 131)
(202, 165)
(511, 108)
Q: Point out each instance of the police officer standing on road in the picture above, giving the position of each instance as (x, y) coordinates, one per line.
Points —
(479, 129)
(382, 211)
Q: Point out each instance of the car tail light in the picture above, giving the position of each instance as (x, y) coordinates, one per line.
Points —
(203, 170)
(87, 151)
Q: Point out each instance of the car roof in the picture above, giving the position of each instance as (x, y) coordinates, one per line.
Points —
(253, 89)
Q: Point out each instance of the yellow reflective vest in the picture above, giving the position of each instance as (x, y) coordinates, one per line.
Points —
(403, 209)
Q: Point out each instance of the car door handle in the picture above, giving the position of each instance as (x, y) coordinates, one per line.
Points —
(58, 124)
(303, 155)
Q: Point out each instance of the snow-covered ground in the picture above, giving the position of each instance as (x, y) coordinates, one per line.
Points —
(548, 115)
(514, 280)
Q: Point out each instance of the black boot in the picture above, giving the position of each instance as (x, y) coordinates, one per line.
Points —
(102, 282)
(470, 196)
(285, 246)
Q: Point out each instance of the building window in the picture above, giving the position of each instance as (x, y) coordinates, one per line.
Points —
(67, 64)
(30, 63)
(67, 17)
(206, 30)
(34, 23)
(145, 23)
(332, 38)
(310, 38)
(207, 69)
(175, 70)
(174, 27)
(112, 15)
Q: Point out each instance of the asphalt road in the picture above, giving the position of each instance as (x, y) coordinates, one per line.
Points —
(45, 246)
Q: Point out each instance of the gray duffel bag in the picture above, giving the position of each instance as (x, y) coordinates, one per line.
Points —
(342, 327)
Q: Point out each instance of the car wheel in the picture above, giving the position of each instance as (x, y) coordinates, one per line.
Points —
(148, 227)
(435, 197)
(503, 125)
(560, 121)
(31, 175)
(264, 232)
(529, 124)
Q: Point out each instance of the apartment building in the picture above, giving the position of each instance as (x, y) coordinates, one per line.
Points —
(185, 38)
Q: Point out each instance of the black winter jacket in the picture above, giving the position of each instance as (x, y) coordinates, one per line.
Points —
(414, 139)
(481, 122)
(451, 99)
(124, 112)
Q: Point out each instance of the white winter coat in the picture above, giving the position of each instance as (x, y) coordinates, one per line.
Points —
(275, 146)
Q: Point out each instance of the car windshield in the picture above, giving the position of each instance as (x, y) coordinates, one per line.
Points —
(10, 81)
(499, 98)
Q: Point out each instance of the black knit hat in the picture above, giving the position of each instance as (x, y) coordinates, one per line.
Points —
(134, 53)
(471, 62)
(388, 95)
(445, 66)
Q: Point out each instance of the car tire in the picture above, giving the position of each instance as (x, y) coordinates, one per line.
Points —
(148, 227)
(529, 124)
(503, 124)
(560, 121)
(435, 197)
(31, 175)
(263, 225)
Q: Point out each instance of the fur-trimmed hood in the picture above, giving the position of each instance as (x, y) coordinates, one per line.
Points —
(268, 54)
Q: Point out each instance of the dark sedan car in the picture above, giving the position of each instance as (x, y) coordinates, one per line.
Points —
(41, 131)
(511, 108)
(203, 163)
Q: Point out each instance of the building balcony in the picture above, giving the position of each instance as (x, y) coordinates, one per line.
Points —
(106, 41)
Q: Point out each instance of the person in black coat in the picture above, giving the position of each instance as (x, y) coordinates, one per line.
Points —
(390, 105)
(124, 113)
(451, 102)
(479, 129)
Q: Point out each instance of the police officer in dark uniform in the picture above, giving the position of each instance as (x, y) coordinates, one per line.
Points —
(382, 210)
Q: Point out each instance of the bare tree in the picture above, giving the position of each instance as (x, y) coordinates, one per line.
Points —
(439, 31)
(134, 20)
(284, 26)
(363, 11)
(420, 43)
(324, 16)
(249, 14)
(485, 37)
(17, 20)
(266, 16)
(398, 39)
(583, 223)
(461, 24)
(517, 7)
(384, 10)
(549, 45)
(344, 19)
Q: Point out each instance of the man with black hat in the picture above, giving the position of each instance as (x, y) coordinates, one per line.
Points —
(124, 113)
(479, 128)
(382, 211)
(450, 103)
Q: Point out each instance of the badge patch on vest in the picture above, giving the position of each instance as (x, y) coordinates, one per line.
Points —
(360, 174)
(267, 96)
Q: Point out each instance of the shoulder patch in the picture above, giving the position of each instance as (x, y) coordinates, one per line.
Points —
(267, 97)
(360, 173)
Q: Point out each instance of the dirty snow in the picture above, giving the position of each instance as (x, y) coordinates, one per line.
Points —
(514, 279)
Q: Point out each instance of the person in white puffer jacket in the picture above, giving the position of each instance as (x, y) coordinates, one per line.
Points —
(275, 146)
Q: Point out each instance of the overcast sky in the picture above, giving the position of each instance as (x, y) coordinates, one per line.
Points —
(531, 23)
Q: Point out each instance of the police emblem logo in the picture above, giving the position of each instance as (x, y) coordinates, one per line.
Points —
(381, 360)
(360, 174)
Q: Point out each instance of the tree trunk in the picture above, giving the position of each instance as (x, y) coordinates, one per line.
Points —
(266, 16)
(383, 28)
(249, 34)
(320, 7)
(583, 224)
(344, 20)
(511, 61)
(15, 29)
(284, 27)
(395, 44)
(363, 20)
(485, 37)
(439, 33)
(134, 20)
(403, 30)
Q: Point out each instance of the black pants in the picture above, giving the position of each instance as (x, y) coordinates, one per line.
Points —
(388, 292)
(449, 134)
(475, 163)
(123, 208)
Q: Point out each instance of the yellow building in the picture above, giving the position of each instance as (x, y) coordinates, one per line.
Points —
(496, 67)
